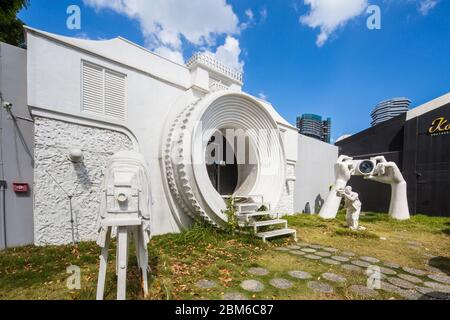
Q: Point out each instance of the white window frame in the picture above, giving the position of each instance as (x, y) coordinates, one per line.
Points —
(104, 69)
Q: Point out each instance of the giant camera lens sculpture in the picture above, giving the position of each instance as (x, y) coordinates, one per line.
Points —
(125, 205)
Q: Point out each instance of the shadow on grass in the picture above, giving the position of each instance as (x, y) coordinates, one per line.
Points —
(447, 230)
(441, 263)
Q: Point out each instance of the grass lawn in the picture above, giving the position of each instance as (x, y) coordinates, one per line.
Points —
(178, 261)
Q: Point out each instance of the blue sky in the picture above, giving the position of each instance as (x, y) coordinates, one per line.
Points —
(342, 77)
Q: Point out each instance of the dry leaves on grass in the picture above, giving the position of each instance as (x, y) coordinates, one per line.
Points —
(225, 276)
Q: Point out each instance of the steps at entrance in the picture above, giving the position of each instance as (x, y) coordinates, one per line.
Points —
(251, 218)
(247, 215)
(255, 206)
(266, 223)
(277, 233)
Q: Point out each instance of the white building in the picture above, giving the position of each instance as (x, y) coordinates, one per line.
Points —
(107, 96)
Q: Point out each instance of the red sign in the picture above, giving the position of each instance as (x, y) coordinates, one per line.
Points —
(21, 187)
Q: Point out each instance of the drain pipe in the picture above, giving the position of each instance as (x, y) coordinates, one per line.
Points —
(3, 207)
(2, 172)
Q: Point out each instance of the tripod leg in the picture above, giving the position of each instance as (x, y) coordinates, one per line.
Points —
(143, 261)
(103, 265)
(122, 235)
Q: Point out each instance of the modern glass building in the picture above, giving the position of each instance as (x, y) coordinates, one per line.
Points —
(313, 126)
(389, 109)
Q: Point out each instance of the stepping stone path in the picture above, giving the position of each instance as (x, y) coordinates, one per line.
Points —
(391, 265)
(283, 249)
(388, 271)
(309, 250)
(303, 244)
(333, 250)
(206, 284)
(433, 293)
(234, 296)
(440, 278)
(438, 287)
(330, 261)
(334, 277)
(340, 259)
(352, 268)
(316, 246)
(320, 287)
(370, 259)
(363, 291)
(361, 264)
(401, 283)
(252, 286)
(409, 294)
(258, 271)
(433, 269)
(297, 253)
(348, 254)
(385, 286)
(312, 257)
(281, 284)
(293, 247)
(300, 275)
(410, 278)
(323, 254)
(415, 272)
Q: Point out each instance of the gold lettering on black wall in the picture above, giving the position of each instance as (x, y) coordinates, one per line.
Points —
(439, 126)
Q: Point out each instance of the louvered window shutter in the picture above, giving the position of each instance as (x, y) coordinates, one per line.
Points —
(114, 95)
(103, 92)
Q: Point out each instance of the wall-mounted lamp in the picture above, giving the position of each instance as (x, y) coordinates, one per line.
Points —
(75, 155)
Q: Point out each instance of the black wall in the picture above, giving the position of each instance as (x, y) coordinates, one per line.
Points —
(427, 164)
(423, 159)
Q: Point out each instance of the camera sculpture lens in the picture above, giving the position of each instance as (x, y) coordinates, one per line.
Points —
(366, 167)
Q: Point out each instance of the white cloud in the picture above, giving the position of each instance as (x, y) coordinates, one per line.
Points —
(175, 56)
(165, 24)
(249, 14)
(262, 96)
(263, 14)
(329, 15)
(250, 19)
(426, 5)
(229, 53)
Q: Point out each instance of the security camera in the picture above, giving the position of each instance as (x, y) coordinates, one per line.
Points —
(7, 105)
(365, 167)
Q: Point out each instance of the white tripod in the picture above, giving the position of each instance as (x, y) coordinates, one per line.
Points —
(122, 260)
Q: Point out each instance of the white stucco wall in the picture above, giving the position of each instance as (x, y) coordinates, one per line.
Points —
(54, 83)
(286, 205)
(56, 178)
(314, 172)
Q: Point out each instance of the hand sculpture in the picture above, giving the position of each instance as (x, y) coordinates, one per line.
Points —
(343, 170)
(389, 173)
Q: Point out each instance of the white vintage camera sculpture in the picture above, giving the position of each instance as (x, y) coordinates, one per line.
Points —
(125, 205)
(376, 169)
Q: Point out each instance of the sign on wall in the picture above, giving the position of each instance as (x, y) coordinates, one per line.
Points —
(439, 126)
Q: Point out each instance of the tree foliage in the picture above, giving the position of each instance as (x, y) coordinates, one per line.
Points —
(11, 27)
